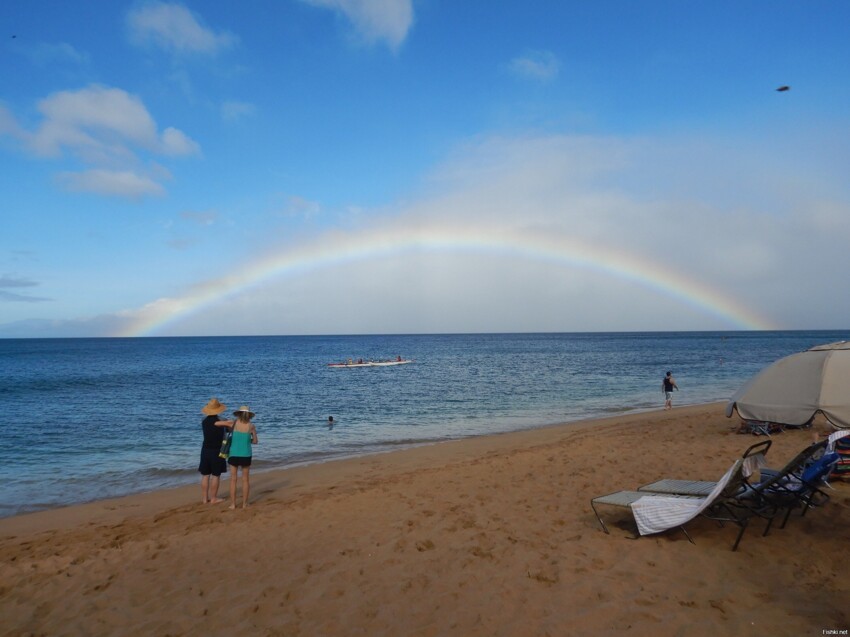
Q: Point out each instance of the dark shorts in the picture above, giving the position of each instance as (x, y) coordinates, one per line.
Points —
(211, 463)
(239, 461)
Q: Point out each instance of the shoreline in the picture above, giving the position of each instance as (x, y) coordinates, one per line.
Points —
(488, 535)
(383, 448)
(152, 498)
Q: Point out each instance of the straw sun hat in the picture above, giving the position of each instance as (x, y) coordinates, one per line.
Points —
(213, 408)
(244, 409)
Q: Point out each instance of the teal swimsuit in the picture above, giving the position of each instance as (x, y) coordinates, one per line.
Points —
(241, 445)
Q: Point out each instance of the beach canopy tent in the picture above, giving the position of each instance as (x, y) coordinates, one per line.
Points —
(793, 389)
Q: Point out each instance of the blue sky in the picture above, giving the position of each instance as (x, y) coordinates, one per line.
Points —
(368, 166)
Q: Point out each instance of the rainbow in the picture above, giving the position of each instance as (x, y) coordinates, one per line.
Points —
(336, 249)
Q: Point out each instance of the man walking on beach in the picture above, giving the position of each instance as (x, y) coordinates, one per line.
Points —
(667, 386)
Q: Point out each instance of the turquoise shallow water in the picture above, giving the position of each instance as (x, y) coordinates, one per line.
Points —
(94, 418)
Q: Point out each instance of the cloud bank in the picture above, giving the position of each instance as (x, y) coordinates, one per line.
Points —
(618, 201)
(675, 209)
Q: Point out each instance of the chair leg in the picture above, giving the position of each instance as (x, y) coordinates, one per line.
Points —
(604, 528)
(818, 492)
(767, 526)
(743, 524)
(788, 515)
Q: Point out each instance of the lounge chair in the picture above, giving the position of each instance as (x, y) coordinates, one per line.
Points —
(797, 483)
(800, 487)
(835, 442)
(655, 513)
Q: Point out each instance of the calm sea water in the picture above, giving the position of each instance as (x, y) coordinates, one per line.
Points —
(94, 418)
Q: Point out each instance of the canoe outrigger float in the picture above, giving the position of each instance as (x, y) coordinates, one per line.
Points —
(362, 363)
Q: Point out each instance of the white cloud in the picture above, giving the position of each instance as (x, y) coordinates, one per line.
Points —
(9, 126)
(174, 28)
(536, 65)
(175, 142)
(97, 121)
(375, 20)
(232, 110)
(111, 183)
(107, 130)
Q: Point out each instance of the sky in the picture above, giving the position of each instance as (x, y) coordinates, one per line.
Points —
(422, 166)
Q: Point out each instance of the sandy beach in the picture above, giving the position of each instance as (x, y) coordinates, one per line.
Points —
(484, 536)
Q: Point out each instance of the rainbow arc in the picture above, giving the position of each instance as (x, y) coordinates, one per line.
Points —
(338, 249)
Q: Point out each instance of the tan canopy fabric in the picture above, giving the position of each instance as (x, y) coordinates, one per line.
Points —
(791, 390)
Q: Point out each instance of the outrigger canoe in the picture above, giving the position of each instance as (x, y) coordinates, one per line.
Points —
(371, 363)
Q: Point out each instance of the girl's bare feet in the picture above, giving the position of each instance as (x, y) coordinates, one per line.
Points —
(216, 500)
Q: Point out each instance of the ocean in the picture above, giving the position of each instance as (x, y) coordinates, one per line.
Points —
(95, 418)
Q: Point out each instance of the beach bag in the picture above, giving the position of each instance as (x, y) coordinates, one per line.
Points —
(225, 444)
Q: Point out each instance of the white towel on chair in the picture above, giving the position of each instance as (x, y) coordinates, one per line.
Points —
(657, 513)
(753, 464)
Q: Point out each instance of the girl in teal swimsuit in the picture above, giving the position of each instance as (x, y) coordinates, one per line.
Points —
(244, 436)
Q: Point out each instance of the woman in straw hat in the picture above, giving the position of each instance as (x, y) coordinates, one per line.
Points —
(244, 435)
(211, 466)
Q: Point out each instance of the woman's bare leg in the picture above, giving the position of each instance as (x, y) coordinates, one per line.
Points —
(233, 473)
(246, 486)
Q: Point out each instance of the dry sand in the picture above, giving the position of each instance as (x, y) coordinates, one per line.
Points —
(485, 536)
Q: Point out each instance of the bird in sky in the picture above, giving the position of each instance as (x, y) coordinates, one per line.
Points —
(782, 89)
